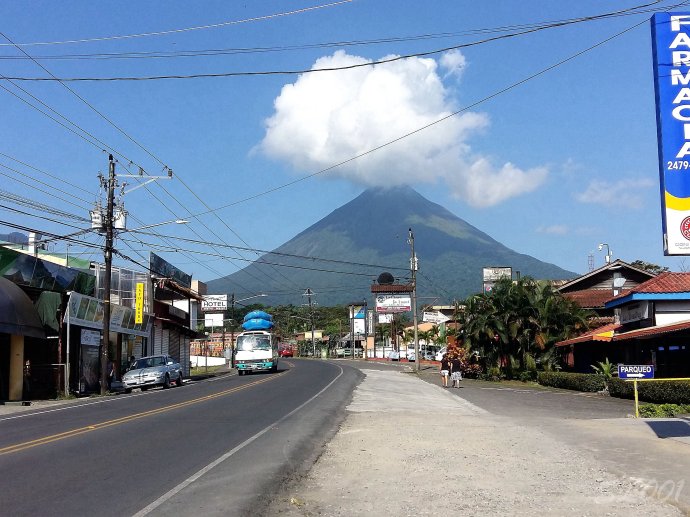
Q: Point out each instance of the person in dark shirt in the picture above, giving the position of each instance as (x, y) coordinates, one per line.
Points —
(445, 370)
(456, 373)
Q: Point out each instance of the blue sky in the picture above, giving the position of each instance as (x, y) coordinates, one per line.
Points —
(550, 167)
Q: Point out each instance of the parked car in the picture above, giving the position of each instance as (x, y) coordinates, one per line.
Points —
(394, 355)
(154, 370)
(440, 353)
(285, 351)
(411, 357)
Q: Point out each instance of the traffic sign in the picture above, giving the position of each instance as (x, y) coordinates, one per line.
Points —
(635, 371)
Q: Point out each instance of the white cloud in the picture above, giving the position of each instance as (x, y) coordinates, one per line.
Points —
(554, 229)
(624, 193)
(453, 62)
(330, 117)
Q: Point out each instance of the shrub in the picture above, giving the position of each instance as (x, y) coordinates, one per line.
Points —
(530, 364)
(663, 410)
(571, 381)
(528, 376)
(492, 374)
(671, 392)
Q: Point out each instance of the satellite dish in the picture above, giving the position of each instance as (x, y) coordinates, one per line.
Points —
(385, 279)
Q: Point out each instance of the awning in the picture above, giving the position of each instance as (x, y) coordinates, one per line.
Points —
(18, 315)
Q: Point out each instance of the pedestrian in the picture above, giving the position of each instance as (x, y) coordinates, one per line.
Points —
(111, 374)
(456, 369)
(26, 384)
(445, 370)
(131, 362)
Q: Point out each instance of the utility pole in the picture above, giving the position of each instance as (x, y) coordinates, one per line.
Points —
(366, 336)
(309, 293)
(413, 269)
(232, 330)
(108, 255)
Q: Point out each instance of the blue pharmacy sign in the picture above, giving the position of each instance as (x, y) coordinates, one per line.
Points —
(671, 50)
(635, 371)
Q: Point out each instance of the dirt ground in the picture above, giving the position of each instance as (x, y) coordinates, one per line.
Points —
(411, 448)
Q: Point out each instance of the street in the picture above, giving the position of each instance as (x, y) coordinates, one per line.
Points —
(213, 446)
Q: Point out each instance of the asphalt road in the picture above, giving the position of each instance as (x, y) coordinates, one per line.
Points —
(220, 446)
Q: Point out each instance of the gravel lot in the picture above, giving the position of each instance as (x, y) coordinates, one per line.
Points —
(411, 448)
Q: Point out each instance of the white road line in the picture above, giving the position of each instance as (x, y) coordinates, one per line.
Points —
(168, 495)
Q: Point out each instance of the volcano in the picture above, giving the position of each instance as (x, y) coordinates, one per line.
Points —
(340, 256)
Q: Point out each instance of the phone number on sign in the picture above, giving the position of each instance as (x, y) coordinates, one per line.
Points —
(677, 165)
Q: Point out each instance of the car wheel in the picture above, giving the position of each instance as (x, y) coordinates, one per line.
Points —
(128, 390)
(144, 388)
(274, 368)
(240, 372)
(180, 381)
(166, 382)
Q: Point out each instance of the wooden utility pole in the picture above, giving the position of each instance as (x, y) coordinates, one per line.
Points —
(108, 255)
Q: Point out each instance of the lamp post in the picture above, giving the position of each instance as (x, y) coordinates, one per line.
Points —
(608, 251)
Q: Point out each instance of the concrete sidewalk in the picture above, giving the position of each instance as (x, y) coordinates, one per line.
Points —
(411, 448)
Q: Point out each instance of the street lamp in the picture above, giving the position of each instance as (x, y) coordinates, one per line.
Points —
(608, 251)
(174, 221)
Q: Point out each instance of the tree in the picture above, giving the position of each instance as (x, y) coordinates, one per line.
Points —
(519, 319)
(649, 267)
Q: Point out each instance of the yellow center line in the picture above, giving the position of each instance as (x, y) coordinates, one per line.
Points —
(117, 421)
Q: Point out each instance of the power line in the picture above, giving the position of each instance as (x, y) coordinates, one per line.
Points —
(346, 67)
(282, 254)
(187, 29)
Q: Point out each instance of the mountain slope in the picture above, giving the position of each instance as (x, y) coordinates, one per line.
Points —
(373, 229)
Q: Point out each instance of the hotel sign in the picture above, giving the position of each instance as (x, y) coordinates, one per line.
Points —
(671, 52)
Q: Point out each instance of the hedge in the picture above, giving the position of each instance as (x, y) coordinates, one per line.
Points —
(669, 392)
(571, 381)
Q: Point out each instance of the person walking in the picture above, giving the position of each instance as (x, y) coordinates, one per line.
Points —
(456, 371)
(445, 370)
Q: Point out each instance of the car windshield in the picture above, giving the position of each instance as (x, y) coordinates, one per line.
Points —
(249, 343)
(147, 362)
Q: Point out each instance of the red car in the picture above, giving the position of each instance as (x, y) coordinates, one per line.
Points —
(285, 351)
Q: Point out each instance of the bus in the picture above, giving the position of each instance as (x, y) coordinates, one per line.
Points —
(257, 350)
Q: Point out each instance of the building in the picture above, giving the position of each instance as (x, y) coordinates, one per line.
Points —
(651, 326)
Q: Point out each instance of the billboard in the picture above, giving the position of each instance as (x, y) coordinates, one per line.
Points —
(162, 268)
(491, 274)
(386, 303)
(671, 53)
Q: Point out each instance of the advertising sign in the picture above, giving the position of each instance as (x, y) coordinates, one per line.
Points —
(635, 371)
(435, 317)
(214, 302)
(139, 303)
(163, 268)
(213, 320)
(635, 312)
(671, 52)
(87, 311)
(385, 318)
(393, 303)
(491, 274)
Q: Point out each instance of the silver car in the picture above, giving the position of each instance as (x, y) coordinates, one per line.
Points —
(154, 370)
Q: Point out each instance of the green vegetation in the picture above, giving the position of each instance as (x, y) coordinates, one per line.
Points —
(663, 410)
(514, 327)
(571, 381)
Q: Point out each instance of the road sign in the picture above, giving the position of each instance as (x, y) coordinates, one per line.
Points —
(635, 371)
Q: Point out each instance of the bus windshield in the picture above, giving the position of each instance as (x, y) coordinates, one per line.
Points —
(249, 343)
